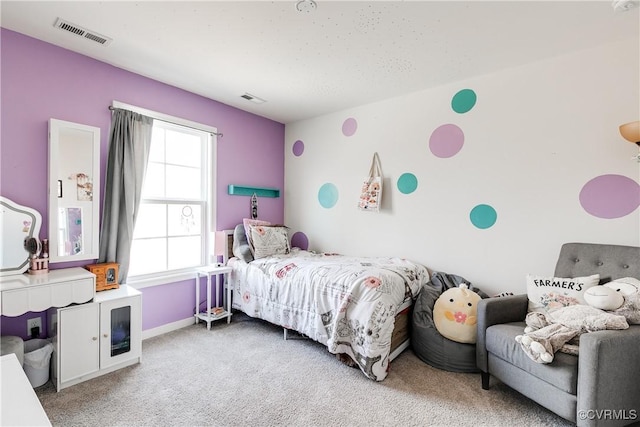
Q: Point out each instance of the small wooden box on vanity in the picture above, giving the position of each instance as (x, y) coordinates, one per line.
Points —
(106, 275)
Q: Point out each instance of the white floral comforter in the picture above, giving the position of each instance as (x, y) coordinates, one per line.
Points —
(347, 303)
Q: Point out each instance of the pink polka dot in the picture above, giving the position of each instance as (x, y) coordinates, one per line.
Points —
(349, 126)
(610, 196)
(300, 240)
(298, 148)
(446, 141)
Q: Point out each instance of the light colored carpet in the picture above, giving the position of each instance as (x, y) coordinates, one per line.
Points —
(245, 374)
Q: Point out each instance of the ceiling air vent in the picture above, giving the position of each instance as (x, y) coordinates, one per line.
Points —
(82, 32)
(252, 98)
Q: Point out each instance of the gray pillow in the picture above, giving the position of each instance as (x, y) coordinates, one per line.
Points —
(241, 247)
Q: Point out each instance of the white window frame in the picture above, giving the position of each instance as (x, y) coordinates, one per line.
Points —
(209, 211)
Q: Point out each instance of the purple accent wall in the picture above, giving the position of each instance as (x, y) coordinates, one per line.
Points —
(42, 81)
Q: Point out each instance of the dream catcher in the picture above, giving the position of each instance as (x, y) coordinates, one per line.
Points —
(187, 220)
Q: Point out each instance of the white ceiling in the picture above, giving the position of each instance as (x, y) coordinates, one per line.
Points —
(341, 55)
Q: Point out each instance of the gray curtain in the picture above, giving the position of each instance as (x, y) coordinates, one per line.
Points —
(128, 155)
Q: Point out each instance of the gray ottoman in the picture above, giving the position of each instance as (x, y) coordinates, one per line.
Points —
(427, 343)
(10, 344)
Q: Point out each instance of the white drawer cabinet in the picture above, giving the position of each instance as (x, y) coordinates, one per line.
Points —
(57, 288)
(96, 338)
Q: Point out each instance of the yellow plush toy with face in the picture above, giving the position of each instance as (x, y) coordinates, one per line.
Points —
(454, 314)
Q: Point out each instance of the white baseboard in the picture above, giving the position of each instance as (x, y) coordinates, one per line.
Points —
(169, 327)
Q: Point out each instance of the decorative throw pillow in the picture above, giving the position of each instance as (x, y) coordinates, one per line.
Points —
(455, 314)
(269, 240)
(550, 293)
(247, 223)
(241, 248)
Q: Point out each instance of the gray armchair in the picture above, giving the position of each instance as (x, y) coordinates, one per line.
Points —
(599, 387)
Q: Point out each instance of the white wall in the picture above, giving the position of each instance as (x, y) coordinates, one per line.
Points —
(536, 135)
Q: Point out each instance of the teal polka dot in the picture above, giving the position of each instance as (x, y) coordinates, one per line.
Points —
(483, 216)
(407, 183)
(328, 195)
(463, 101)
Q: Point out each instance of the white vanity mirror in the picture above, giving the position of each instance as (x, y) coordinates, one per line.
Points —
(18, 223)
(74, 191)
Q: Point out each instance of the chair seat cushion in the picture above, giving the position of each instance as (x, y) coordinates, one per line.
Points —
(562, 373)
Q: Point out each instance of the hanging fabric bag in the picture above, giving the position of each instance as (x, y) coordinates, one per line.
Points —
(371, 193)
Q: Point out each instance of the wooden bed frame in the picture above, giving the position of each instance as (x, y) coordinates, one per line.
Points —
(399, 337)
(401, 330)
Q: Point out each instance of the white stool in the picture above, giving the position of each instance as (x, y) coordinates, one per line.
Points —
(10, 344)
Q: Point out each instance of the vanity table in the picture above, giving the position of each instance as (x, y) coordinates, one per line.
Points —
(92, 333)
(39, 292)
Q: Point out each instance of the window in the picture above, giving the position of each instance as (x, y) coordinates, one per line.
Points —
(171, 227)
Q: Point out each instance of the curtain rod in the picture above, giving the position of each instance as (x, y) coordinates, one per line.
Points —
(190, 127)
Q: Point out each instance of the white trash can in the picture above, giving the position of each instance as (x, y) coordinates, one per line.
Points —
(37, 355)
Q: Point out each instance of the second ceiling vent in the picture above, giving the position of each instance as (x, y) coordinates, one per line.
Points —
(82, 32)
(253, 98)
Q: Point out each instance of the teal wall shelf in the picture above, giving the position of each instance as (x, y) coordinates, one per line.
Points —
(244, 190)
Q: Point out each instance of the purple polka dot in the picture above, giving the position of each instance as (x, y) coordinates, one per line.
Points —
(300, 240)
(446, 141)
(298, 148)
(610, 196)
(349, 126)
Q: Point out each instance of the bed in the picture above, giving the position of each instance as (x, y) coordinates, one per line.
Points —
(354, 305)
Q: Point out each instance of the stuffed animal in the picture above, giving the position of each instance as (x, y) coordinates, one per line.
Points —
(547, 333)
(603, 298)
(629, 287)
(454, 314)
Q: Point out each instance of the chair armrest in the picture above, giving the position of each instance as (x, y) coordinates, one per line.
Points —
(493, 311)
(608, 373)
